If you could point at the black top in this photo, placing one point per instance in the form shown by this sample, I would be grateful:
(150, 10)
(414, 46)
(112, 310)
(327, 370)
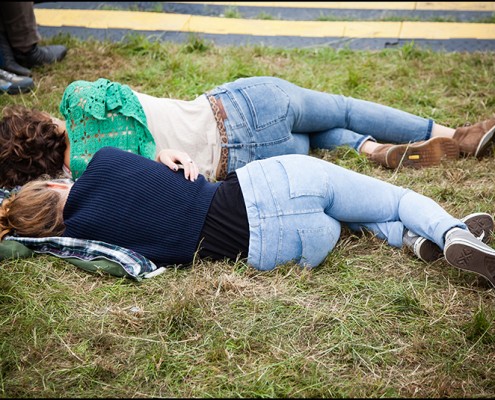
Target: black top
(226, 230)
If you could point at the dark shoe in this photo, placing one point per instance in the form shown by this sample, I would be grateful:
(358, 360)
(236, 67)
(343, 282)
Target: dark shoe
(422, 248)
(41, 55)
(464, 251)
(7, 60)
(476, 140)
(416, 155)
(481, 225)
(14, 84)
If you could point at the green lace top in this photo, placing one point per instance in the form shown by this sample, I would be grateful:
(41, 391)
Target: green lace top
(103, 113)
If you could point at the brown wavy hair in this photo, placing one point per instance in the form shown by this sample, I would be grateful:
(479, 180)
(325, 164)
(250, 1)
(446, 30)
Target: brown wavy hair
(35, 211)
(30, 146)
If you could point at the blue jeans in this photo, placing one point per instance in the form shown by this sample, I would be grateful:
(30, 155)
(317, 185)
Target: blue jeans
(296, 204)
(269, 117)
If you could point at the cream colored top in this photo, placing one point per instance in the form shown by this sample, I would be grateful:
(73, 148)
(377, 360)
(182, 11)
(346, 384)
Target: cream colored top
(187, 126)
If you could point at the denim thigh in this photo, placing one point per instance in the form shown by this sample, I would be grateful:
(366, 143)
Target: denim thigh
(286, 215)
(294, 203)
(259, 123)
(269, 116)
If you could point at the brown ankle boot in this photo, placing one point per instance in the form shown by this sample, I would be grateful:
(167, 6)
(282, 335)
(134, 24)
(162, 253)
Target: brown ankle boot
(476, 140)
(416, 155)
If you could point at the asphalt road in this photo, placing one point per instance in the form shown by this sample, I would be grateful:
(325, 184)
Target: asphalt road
(439, 26)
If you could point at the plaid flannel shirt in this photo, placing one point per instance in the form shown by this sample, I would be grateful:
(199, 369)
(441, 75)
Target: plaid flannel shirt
(134, 264)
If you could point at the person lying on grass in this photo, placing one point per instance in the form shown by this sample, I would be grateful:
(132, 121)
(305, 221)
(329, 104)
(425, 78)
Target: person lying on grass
(224, 129)
(270, 212)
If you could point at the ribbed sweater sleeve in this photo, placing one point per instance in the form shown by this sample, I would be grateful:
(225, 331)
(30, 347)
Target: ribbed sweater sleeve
(133, 202)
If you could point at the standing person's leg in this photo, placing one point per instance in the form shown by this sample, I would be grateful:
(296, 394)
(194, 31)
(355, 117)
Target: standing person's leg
(21, 31)
(17, 26)
(294, 204)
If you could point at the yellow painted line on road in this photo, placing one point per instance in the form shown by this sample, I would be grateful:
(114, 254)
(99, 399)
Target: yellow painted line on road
(397, 5)
(439, 30)
(457, 6)
(138, 20)
(294, 28)
(363, 5)
(105, 19)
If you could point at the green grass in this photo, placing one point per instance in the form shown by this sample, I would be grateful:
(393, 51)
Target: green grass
(371, 321)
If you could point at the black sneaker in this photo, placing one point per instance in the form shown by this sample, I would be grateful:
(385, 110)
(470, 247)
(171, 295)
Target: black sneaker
(41, 55)
(15, 84)
(423, 248)
(481, 225)
(464, 251)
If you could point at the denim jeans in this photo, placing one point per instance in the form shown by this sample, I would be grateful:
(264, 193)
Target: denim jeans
(296, 204)
(269, 116)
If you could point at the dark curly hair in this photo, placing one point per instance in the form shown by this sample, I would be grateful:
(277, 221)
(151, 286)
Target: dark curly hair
(31, 145)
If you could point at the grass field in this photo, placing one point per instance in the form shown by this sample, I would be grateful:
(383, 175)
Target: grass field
(371, 321)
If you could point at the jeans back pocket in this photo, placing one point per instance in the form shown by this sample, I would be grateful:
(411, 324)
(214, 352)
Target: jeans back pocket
(317, 243)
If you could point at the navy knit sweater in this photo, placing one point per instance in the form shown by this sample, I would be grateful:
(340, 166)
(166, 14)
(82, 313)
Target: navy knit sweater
(130, 201)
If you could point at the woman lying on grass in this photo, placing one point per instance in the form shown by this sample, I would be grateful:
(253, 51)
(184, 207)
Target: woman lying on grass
(285, 208)
(236, 123)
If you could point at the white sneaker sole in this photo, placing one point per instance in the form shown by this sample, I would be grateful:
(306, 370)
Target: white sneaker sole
(470, 254)
(480, 225)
